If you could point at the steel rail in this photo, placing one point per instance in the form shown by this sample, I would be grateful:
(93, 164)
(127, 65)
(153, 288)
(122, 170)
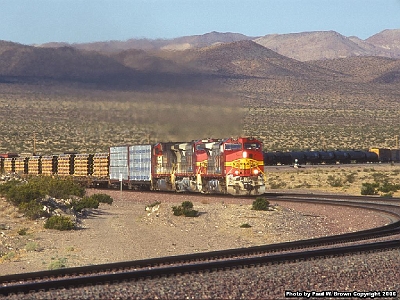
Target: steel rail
(195, 268)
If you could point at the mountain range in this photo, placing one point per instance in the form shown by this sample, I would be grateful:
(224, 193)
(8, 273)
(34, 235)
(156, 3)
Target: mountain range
(302, 46)
(309, 55)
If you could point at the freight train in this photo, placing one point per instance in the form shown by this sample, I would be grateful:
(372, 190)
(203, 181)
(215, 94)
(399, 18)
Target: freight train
(374, 155)
(225, 166)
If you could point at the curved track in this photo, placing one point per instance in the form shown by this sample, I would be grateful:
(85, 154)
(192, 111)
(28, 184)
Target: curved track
(376, 239)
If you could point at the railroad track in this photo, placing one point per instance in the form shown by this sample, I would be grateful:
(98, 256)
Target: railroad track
(376, 239)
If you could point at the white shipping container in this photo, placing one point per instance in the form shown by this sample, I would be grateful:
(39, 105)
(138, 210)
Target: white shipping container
(140, 163)
(119, 163)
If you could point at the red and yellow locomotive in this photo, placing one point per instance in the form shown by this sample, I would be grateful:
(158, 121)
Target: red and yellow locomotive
(228, 166)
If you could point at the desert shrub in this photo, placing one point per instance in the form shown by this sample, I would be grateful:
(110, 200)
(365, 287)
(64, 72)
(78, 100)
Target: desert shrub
(178, 210)
(186, 209)
(334, 181)
(303, 184)
(37, 187)
(278, 184)
(380, 177)
(387, 195)
(187, 205)
(58, 187)
(9, 255)
(190, 213)
(387, 187)
(59, 223)
(58, 264)
(85, 202)
(23, 193)
(31, 246)
(245, 225)
(23, 231)
(351, 178)
(5, 187)
(369, 188)
(260, 204)
(102, 198)
(396, 172)
(32, 210)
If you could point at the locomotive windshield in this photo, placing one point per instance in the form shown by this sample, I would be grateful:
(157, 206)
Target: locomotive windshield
(200, 147)
(252, 146)
(233, 146)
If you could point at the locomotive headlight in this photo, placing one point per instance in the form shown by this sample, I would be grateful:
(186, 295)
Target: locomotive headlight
(244, 154)
(255, 171)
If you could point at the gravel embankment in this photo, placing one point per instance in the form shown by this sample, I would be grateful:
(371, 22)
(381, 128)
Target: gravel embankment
(125, 231)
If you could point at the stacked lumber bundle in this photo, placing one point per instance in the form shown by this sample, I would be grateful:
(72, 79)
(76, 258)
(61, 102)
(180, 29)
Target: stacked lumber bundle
(65, 164)
(34, 165)
(100, 165)
(49, 165)
(83, 165)
(20, 166)
(8, 165)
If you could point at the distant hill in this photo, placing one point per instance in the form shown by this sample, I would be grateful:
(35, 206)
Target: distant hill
(60, 63)
(302, 46)
(180, 43)
(362, 68)
(388, 39)
(319, 45)
(244, 58)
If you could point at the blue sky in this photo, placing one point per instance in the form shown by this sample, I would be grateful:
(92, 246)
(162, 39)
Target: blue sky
(76, 21)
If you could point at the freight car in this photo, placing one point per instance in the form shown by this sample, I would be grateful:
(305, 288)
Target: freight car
(227, 166)
(331, 157)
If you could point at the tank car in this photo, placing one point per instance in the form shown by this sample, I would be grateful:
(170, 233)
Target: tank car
(298, 156)
(312, 157)
(283, 158)
(326, 157)
(341, 157)
(357, 156)
(371, 157)
(269, 158)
